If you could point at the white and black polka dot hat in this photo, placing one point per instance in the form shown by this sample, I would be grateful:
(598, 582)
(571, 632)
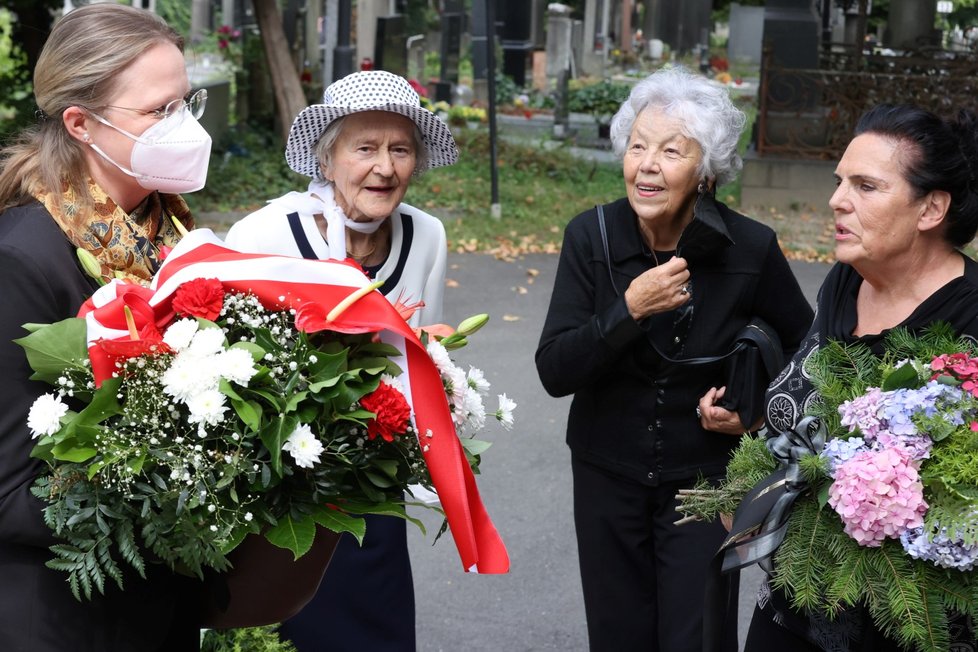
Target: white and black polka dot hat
(371, 90)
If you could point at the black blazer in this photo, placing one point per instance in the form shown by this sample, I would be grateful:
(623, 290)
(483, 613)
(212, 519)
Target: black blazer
(41, 282)
(631, 414)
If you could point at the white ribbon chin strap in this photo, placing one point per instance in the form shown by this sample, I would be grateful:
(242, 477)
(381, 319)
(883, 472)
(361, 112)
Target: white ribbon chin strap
(320, 199)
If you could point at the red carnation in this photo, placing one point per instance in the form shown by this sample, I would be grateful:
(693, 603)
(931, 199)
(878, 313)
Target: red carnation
(392, 412)
(201, 297)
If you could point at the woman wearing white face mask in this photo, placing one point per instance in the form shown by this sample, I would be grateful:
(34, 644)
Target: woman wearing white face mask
(116, 134)
(58, 193)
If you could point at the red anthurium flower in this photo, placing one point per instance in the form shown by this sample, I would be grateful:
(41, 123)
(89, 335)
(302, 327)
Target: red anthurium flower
(311, 318)
(201, 297)
(150, 342)
(392, 412)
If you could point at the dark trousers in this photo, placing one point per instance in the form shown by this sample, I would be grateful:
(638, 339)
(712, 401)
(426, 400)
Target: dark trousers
(366, 600)
(643, 577)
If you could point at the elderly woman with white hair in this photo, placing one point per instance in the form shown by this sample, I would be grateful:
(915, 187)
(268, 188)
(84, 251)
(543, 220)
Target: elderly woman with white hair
(646, 288)
(361, 147)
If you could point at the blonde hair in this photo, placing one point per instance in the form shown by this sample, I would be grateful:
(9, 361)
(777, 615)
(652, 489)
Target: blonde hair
(78, 66)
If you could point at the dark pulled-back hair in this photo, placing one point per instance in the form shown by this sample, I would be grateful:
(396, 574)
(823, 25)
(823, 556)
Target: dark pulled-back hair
(942, 155)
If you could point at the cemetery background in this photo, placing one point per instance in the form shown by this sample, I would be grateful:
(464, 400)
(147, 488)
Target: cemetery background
(551, 167)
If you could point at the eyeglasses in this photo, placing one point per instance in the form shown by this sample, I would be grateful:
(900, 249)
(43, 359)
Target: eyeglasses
(194, 102)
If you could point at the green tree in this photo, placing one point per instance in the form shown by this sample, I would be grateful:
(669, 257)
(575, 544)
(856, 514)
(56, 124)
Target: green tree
(33, 24)
(16, 100)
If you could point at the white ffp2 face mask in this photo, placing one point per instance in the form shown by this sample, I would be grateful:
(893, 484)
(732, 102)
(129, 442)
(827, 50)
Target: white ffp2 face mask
(171, 156)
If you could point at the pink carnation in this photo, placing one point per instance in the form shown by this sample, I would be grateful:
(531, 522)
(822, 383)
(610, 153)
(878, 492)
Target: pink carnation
(878, 494)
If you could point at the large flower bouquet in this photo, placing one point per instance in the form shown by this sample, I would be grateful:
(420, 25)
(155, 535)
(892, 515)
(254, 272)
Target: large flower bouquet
(886, 513)
(188, 416)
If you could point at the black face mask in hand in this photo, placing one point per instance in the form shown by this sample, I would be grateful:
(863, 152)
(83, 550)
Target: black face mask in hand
(706, 234)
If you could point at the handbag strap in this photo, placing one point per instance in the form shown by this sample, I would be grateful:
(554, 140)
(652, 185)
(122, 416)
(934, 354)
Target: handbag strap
(678, 361)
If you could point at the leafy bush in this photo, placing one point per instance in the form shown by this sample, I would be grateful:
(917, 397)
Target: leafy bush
(506, 89)
(602, 100)
(249, 639)
(16, 101)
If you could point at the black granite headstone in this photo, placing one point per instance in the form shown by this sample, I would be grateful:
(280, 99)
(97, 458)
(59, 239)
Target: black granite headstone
(390, 49)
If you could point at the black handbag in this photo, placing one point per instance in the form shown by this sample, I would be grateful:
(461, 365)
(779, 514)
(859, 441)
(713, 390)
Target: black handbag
(753, 361)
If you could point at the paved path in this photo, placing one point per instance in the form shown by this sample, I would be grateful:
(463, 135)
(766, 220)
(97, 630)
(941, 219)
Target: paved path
(525, 482)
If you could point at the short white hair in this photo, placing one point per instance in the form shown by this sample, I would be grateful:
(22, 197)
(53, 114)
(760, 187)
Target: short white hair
(704, 110)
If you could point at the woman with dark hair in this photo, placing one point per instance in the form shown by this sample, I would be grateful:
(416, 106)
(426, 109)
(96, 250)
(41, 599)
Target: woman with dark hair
(906, 203)
(664, 274)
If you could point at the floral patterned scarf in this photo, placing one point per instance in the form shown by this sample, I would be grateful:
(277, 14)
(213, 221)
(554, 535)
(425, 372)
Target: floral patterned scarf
(127, 245)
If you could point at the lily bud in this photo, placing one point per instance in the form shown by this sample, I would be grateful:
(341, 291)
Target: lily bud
(472, 324)
(90, 264)
(454, 342)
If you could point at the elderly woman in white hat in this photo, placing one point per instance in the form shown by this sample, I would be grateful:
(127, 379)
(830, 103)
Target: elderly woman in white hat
(361, 147)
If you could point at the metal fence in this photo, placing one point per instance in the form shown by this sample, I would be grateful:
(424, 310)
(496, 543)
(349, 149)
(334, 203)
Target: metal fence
(810, 114)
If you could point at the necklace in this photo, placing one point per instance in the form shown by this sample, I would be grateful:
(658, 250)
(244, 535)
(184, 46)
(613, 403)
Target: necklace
(363, 256)
(654, 257)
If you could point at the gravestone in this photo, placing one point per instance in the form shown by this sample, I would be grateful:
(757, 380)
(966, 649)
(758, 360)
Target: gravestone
(452, 24)
(390, 51)
(791, 37)
(746, 33)
(682, 25)
(911, 25)
(560, 32)
(516, 37)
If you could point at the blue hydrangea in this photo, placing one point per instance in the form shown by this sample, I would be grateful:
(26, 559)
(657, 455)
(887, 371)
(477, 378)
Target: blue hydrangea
(839, 450)
(943, 550)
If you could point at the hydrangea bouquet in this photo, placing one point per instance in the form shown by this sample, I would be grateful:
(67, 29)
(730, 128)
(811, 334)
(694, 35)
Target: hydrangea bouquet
(188, 416)
(889, 520)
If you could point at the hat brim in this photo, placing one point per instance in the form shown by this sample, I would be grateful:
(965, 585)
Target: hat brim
(309, 126)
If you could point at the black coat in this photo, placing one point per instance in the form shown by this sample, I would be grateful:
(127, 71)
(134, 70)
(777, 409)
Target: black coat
(41, 282)
(632, 414)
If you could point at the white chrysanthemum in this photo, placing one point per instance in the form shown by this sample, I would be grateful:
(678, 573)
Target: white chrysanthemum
(189, 375)
(505, 411)
(303, 446)
(439, 355)
(179, 335)
(477, 380)
(236, 365)
(472, 404)
(207, 342)
(457, 386)
(44, 417)
(207, 407)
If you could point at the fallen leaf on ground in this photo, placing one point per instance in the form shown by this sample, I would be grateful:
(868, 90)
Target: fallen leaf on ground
(511, 318)
(451, 283)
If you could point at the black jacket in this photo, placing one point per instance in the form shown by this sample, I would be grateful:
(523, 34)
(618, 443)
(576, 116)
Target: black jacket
(632, 414)
(41, 282)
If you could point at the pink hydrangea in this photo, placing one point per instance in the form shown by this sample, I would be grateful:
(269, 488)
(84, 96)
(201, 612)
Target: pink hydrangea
(879, 495)
(865, 412)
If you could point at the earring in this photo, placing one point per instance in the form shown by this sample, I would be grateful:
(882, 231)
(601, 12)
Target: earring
(701, 188)
(86, 137)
